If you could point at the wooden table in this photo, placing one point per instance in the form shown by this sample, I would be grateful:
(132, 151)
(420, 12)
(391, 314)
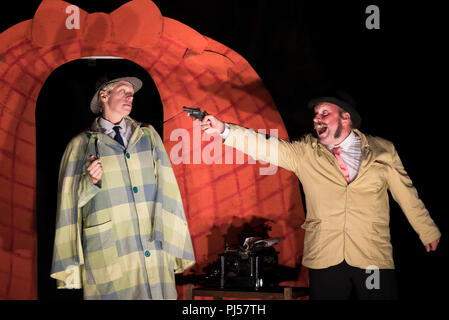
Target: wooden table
(276, 293)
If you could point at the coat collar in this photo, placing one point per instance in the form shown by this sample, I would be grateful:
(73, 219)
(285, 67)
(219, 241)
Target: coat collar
(316, 144)
(106, 126)
(366, 148)
(95, 127)
(368, 152)
(135, 125)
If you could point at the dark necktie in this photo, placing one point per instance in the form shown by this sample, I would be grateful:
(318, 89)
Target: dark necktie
(118, 137)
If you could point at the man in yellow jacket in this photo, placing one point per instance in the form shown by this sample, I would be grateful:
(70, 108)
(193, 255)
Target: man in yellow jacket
(345, 176)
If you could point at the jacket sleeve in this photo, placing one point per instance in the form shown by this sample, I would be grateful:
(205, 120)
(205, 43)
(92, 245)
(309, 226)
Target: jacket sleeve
(170, 224)
(270, 149)
(74, 188)
(405, 194)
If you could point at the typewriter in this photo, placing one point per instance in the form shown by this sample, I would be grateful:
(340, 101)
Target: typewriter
(252, 265)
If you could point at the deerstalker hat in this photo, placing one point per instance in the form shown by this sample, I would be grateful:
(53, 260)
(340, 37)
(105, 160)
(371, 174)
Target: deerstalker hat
(95, 103)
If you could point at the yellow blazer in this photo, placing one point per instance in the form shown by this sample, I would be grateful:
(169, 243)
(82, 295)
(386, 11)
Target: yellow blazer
(344, 221)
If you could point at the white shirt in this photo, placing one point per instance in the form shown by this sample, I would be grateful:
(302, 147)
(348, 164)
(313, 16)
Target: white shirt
(351, 153)
(107, 128)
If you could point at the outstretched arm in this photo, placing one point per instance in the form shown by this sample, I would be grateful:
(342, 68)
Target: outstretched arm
(259, 146)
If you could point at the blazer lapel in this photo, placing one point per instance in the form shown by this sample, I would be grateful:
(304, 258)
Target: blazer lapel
(368, 155)
(329, 164)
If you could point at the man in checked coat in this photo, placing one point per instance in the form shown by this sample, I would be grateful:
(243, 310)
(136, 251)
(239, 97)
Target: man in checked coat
(345, 176)
(121, 231)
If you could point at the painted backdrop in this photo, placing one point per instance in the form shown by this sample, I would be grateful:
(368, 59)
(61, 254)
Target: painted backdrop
(221, 200)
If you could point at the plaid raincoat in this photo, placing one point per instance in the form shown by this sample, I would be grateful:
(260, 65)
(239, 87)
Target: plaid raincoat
(126, 237)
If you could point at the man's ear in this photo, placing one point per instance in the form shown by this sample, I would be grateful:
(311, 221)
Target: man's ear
(103, 95)
(346, 116)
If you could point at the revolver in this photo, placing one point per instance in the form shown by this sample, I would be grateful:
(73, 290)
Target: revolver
(195, 113)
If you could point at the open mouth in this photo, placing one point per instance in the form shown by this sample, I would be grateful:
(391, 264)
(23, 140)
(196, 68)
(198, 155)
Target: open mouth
(321, 130)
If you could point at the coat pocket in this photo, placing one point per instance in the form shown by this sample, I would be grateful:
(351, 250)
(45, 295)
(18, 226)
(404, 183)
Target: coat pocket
(380, 248)
(101, 259)
(311, 238)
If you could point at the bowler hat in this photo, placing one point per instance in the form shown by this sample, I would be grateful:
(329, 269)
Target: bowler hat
(95, 103)
(344, 101)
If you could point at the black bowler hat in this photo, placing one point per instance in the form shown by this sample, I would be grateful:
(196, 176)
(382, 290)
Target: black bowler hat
(344, 101)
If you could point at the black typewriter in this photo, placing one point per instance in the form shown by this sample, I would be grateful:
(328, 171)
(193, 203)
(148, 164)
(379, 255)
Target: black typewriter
(252, 265)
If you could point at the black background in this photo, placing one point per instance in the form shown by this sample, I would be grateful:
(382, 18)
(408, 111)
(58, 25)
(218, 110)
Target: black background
(396, 75)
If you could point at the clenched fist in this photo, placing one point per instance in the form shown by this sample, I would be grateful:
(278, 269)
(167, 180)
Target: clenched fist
(95, 170)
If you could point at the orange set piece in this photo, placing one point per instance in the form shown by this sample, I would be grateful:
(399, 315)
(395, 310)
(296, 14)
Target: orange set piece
(188, 69)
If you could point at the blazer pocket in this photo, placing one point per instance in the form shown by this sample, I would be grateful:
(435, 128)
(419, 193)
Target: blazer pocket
(380, 231)
(101, 258)
(312, 238)
(380, 248)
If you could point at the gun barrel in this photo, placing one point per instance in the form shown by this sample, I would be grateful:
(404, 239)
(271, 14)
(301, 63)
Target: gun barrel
(195, 113)
(190, 109)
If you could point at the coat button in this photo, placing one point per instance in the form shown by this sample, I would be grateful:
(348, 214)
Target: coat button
(135, 189)
(128, 155)
(147, 253)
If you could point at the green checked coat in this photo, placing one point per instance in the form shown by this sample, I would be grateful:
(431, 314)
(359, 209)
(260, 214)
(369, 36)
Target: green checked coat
(127, 237)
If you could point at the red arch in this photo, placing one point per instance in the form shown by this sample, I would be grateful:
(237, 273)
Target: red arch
(188, 69)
